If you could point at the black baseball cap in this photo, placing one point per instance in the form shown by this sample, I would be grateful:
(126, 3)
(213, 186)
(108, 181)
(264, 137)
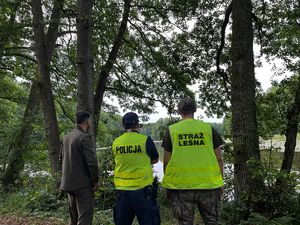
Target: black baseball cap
(187, 105)
(130, 119)
(81, 116)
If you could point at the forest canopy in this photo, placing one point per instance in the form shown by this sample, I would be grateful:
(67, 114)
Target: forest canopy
(107, 57)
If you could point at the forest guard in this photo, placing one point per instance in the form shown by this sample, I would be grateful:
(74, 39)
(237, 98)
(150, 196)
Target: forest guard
(134, 155)
(80, 171)
(193, 167)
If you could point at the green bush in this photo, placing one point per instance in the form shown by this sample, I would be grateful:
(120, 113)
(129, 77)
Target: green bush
(44, 201)
(258, 219)
(103, 217)
(38, 197)
(275, 202)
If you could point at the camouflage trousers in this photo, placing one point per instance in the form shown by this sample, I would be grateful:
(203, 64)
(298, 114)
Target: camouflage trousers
(183, 204)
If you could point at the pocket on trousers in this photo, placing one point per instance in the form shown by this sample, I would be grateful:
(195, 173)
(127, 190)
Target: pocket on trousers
(171, 195)
(155, 215)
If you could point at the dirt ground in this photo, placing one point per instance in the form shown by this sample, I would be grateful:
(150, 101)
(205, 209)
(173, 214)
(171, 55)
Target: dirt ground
(15, 220)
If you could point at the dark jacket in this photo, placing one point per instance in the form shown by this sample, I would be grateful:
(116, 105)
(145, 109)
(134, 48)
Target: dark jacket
(79, 161)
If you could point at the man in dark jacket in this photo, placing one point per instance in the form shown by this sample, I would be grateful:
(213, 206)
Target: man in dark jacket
(80, 171)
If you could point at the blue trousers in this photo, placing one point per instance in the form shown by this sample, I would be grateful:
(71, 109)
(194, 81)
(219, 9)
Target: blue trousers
(139, 203)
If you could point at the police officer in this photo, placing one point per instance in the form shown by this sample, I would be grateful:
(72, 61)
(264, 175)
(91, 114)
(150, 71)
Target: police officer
(134, 155)
(193, 167)
(80, 171)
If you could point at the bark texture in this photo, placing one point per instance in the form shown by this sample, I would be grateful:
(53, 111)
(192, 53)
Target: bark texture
(244, 123)
(291, 133)
(44, 47)
(221, 47)
(84, 56)
(19, 146)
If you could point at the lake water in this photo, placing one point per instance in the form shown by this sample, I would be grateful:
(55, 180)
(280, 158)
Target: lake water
(228, 168)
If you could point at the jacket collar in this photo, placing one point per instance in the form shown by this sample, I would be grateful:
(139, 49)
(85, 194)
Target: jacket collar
(79, 128)
(131, 131)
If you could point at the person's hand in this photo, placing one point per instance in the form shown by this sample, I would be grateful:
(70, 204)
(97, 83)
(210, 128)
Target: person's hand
(95, 187)
(61, 193)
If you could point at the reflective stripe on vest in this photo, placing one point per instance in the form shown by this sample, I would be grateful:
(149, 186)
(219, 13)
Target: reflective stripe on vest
(133, 169)
(193, 164)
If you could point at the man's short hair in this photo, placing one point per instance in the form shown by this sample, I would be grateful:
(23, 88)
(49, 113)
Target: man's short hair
(130, 120)
(82, 116)
(187, 105)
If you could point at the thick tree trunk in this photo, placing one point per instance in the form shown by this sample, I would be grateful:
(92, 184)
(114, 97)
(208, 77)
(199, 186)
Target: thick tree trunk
(291, 129)
(84, 58)
(291, 133)
(244, 124)
(19, 146)
(103, 77)
(44, 46)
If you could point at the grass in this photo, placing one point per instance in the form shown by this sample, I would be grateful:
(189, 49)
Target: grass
(275, 158)
(279, 137)
(11, 219)
(33, 206)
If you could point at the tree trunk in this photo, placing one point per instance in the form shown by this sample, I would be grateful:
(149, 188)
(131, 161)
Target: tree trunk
(291, 133)
(244, 123)
(44, 47)
(103, 77)
(291, 129)
(19, 146)
(84, 58)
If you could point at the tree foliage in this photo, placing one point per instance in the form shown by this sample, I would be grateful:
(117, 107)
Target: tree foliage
(164, 50)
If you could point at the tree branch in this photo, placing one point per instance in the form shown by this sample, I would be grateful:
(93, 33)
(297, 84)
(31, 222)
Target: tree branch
(62, 33)
(65, 112)
(155, 8)
(28, 57)
(134, 94)
(14, 100)
(141, 54)
(221, 72)
(18, 48)
(258, 25)
(7, 68)
(52, 33)
(125, 74)
(143, 36)
(103, 76)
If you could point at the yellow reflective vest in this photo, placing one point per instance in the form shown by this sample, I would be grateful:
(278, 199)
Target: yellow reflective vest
(133, 169)
(193, 164)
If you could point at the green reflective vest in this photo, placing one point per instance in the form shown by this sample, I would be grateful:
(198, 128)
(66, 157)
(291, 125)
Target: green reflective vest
(193, 164)
(133, 169)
